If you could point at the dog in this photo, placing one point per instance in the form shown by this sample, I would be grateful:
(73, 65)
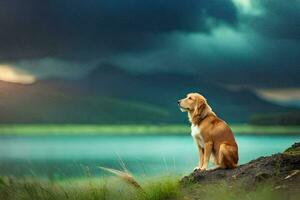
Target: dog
(212, 135)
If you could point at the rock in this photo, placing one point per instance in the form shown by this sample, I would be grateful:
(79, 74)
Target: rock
(282, 168)
(294, 149)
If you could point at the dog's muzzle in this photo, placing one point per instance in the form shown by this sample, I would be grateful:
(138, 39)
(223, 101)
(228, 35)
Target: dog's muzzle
(182, 108)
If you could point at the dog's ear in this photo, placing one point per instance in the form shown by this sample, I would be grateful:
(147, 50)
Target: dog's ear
(200, 107)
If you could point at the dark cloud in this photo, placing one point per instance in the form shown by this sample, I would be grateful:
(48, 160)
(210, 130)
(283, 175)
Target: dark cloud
(78, 29)
(278, 19)
(239, 39)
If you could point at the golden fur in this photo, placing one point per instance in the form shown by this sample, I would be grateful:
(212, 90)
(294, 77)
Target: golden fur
(213, 136)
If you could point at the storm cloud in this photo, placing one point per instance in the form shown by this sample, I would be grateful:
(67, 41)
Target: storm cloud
(81, 29)
(240, 38)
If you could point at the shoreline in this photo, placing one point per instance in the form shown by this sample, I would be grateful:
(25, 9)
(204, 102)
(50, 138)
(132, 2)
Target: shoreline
(173, 129)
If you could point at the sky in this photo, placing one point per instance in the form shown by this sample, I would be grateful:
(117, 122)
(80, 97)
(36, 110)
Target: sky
(236, 42)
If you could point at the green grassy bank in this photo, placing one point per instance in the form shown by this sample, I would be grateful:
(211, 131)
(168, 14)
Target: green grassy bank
(69, 129)
(163, 188)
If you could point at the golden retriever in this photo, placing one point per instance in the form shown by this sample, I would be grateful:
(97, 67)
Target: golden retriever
(212, 135)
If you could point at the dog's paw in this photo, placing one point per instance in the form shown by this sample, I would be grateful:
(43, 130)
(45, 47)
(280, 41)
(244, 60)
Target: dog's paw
(203, 168)
(196, 168)
(214, 168)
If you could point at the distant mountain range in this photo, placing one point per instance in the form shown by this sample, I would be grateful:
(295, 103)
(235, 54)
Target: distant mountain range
(109, 95)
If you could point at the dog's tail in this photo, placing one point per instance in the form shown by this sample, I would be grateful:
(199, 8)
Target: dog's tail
(125, 176)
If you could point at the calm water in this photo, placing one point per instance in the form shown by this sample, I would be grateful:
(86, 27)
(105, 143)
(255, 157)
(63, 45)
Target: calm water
(73, 156)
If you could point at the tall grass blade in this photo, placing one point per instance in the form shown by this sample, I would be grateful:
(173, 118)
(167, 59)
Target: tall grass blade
(125, 176)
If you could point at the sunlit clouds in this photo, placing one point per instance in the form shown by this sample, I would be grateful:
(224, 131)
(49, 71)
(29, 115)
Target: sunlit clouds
(280, 95)
(248, 7)
(10, 74)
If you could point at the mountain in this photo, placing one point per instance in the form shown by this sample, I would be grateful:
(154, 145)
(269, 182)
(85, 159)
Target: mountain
(164, 89)
(44, 103)
(111, 95)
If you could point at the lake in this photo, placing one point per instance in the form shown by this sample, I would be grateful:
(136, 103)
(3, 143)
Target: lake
(80, 155)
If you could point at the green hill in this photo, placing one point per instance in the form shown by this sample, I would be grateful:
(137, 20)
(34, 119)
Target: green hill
(110, 95)
(30, 104)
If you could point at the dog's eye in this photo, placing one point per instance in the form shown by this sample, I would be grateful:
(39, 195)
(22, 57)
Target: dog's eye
(190, 98)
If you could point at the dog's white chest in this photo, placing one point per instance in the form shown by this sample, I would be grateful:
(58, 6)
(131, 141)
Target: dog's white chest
(196, 133)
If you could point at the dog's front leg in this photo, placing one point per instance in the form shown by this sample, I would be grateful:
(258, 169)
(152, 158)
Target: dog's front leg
(200, 157)
(207, 152)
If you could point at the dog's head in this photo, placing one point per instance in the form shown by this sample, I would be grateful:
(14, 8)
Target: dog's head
(192, 102)
(195, 104)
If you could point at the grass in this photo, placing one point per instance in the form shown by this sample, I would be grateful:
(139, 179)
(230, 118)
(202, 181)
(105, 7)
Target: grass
(73, 129)
(102, 189)
(163, 188)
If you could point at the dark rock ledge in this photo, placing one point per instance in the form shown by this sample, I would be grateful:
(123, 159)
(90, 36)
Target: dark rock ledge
(283, 169)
